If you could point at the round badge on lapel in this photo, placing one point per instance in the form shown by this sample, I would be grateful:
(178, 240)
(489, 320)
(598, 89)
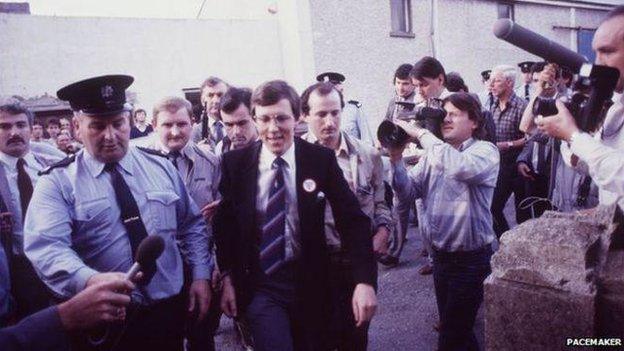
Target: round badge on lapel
(309, 185)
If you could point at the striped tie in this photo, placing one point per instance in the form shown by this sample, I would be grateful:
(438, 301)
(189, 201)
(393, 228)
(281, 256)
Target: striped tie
(273, 242)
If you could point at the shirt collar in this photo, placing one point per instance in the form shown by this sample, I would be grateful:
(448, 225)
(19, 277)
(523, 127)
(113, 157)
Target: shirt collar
(11, 161)
(466, 144)
(267, 157)
(184, 152)
(96, 167)
(343, 148)
(211, 121)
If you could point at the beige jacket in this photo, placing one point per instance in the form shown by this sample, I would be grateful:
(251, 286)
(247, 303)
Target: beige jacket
(367, 178)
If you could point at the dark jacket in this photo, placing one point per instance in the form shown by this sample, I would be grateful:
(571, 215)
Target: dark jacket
(237, 232)
(40, 331)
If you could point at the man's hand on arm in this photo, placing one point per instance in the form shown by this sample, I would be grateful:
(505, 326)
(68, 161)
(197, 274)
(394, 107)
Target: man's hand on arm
(228, 298)
(380, 240)
(100, 302)
(364, 303)
(199, 298)
(209, 210)
(525, 171)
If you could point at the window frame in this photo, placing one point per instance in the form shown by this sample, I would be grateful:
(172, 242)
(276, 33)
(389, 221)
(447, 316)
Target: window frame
(510, 8)
(406, 11)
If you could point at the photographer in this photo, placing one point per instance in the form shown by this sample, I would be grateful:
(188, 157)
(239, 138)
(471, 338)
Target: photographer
(601, 155)
(455, 180)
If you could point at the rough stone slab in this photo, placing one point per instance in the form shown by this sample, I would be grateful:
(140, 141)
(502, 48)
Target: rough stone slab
(524, 317)
(558, 253)
(611, 298)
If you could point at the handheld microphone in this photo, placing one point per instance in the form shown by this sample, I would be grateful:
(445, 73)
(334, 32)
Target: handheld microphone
(148, 251)
(536, 44)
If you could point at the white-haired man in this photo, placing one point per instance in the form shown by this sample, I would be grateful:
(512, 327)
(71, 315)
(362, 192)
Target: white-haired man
(507, 112)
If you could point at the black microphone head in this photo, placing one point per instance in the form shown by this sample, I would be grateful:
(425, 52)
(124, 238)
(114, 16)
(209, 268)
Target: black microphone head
(503, 27)
(149, 250)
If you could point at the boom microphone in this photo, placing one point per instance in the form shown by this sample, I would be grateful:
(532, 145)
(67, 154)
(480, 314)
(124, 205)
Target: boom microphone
(536, 44)
(148, 251)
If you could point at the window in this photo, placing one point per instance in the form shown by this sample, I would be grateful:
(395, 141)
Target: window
(584, 39)
(401, 18)
(505, 10)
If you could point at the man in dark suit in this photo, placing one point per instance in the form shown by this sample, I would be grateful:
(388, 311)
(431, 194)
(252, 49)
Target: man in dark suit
(270, 236)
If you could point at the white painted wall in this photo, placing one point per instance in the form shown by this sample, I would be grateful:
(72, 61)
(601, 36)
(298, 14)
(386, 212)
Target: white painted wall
(41, 54)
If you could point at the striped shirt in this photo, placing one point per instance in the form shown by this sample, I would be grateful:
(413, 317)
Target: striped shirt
(456, 188)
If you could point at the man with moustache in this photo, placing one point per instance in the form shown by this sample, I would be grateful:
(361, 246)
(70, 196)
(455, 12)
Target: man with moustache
(90, 211)
(20, 161)
(171, 119)
(240, 129)
(354, 122)
(361, 166)
(269, 228)
(210, 129)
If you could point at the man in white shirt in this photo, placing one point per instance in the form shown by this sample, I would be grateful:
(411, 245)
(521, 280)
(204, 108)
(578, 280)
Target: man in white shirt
(601, 155)
(19, 167)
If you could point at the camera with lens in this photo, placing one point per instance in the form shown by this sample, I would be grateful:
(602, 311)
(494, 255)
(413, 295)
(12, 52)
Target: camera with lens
(589, 112)
(431, 118)
(546, 106)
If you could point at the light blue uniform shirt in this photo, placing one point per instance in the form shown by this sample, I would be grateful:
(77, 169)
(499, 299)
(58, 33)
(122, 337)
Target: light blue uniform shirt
(5, 287)
(73, 228)
(456, 188)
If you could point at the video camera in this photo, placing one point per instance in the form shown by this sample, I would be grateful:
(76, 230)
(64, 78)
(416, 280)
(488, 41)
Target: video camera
(589, 112)
(391, 135)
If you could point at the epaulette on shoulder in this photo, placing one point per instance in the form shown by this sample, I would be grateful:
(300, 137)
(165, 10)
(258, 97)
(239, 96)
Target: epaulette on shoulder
(355, 102)
(152, 151)
(62, 163)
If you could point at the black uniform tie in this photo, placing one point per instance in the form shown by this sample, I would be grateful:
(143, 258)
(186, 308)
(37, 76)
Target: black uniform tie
(173, 157)
(130, 215)
(24, 185)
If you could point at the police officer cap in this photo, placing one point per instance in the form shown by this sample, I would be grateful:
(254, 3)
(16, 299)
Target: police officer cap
(104, 95)
(486, 74)
(332, 77)
(525, 66)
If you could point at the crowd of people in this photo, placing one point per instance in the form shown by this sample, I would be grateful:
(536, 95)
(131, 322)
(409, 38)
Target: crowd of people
(275, 207)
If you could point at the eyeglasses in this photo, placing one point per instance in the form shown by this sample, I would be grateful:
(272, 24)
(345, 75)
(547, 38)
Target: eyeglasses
(277, 119)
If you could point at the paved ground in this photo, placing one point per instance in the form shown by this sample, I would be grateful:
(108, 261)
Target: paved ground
(407, 309)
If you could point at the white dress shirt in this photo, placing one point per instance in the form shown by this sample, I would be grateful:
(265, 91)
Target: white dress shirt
(602, 156)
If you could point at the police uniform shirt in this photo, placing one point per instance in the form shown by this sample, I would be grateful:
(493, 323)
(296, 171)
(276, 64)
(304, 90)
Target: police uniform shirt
(74, 229)
(32, 167)
(200, 172)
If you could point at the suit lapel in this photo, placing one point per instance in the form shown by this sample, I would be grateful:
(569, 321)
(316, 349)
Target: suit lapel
(248, 181)
(4, 190)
